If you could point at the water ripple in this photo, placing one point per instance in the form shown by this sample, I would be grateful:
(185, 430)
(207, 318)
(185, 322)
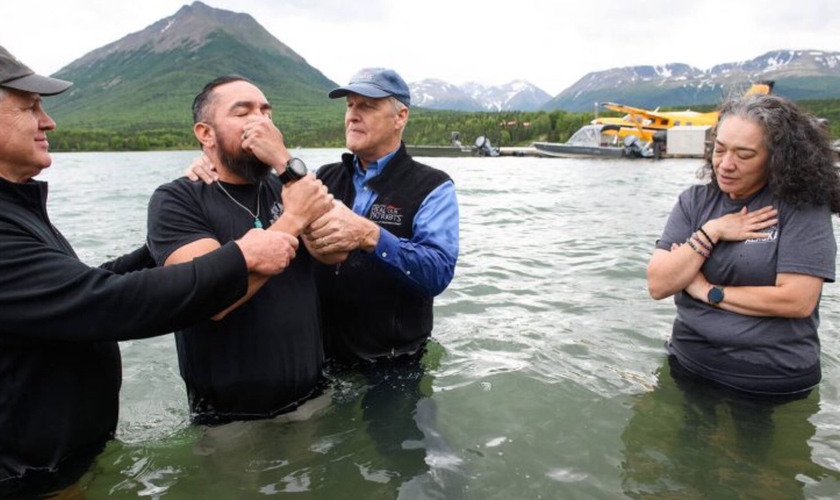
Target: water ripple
(549, 384)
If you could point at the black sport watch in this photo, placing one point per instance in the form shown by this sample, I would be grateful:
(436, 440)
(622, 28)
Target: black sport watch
(715, 296)
(295, 169)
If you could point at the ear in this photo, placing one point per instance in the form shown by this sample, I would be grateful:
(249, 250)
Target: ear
(402, 119)
(205, 134)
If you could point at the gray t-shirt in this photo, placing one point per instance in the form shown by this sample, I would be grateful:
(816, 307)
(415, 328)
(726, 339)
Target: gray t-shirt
(727, 346)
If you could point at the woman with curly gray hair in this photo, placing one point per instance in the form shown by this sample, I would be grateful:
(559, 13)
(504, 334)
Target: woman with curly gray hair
(745, 255)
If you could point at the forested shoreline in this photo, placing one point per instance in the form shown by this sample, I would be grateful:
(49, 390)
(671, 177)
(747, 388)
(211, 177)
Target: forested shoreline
(426, 127)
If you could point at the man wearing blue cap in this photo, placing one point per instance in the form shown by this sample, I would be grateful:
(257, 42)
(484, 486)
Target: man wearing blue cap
(398, 225)
(399, 221)
(396, 222)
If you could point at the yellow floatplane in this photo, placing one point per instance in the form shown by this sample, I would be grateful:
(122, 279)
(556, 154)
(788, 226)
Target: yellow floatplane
(644, 123)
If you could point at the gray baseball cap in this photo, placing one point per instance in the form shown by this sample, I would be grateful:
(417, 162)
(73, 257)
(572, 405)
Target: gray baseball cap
(16, 75)
(376, 83)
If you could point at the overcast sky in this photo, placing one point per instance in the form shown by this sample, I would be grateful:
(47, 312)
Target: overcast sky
(551, 43)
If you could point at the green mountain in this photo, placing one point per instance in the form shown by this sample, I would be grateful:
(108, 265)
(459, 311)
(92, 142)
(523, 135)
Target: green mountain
(136, 93)
(146, 81)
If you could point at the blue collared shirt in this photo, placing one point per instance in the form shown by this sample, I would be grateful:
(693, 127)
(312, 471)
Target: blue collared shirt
(426, 261)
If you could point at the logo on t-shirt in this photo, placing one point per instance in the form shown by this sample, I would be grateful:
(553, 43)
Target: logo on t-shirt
(387, 215)
(771, 235)
(276, 211)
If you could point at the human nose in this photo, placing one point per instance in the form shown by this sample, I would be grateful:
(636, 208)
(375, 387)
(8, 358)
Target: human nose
(727, 161)
(45, 122)
(256, 116)
(350, 114)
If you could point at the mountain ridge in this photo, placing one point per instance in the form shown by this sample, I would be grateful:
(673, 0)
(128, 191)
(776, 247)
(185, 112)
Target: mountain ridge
(517, 95)
(799, 74)
(147, 79)
(199, 21)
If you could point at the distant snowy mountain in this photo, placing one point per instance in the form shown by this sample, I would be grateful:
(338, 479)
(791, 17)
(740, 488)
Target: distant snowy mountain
(514, 96)
(437, 94)
(798, 74)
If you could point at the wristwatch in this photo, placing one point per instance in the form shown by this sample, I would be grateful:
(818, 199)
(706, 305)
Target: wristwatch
(295, 169)
(715, 296)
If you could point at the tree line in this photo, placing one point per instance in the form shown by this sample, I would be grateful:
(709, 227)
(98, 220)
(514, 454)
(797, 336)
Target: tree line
(426, 127)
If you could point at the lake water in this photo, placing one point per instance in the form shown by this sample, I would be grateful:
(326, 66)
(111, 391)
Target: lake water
(548, 378)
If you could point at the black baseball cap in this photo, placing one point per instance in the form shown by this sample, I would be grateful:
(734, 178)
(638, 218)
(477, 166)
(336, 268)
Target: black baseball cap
(16, 75)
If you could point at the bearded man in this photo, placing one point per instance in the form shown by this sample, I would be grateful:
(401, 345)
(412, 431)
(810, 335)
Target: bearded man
(263, 355)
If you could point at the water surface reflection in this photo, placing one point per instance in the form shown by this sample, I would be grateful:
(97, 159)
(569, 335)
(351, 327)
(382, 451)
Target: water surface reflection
(689, 439)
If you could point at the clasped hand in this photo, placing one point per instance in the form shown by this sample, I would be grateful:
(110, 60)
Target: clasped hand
(306, 200)
(340, 230)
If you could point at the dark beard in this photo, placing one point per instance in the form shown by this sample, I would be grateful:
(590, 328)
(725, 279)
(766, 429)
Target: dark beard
(245, 165)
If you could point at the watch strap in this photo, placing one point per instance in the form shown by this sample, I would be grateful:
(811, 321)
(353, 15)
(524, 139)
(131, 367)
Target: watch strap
(286, 177)
(289, 174)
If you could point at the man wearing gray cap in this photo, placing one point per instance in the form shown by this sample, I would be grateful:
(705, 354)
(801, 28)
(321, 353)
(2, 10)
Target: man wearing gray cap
(399, 221)
(60, 320)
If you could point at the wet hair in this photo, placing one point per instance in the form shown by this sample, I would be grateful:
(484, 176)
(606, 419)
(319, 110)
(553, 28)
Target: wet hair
(204, 99)
(800, 162)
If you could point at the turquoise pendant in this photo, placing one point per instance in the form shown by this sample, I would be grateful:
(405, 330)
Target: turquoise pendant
(257, 223)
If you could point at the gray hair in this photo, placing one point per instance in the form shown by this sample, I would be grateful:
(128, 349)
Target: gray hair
(800, 162)
(398, 105)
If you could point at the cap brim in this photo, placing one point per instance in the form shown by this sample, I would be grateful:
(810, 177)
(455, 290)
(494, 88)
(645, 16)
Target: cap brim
(359, 88)
(38, 84)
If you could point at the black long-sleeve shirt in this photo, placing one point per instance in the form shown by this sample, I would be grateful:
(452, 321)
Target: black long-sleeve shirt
(60, 367)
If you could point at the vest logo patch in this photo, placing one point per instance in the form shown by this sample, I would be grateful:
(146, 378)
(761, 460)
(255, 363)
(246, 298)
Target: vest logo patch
(387, 215)
(771, 235)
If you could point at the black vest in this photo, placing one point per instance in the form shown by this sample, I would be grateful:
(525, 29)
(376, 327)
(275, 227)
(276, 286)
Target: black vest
(367, 311)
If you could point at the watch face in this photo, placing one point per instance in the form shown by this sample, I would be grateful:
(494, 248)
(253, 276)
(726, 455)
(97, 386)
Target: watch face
(715, 295)
(296, 168)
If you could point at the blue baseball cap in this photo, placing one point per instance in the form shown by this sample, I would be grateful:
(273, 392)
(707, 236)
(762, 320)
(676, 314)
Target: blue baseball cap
(376, 83)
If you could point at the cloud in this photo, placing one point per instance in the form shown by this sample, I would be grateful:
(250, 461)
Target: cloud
(551, 43)
(330, 11)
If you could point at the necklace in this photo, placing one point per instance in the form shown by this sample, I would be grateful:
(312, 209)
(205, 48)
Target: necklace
(257, 222)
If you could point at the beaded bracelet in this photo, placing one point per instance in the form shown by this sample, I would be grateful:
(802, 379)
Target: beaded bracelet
(711, 241)
(693, 247)
(701, 243)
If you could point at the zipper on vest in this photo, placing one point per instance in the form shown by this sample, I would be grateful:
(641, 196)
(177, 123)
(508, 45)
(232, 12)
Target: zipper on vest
(337, 268)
